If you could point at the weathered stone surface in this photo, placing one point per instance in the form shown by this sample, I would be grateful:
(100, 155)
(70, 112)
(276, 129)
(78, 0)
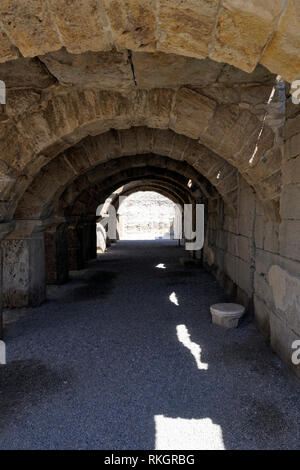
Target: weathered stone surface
(286, 294)
(233, 43)
(191, 113)
(271, 236)
(282, 54)
(133, 24)
(21, 101)
(292, 148)
(193, 29)
(262, 317)
(70, 115)
(291, 171)
(231, 224)
(81, 25)
(23, 272)
(158, 108)
(289, 236)
(29, 26)
(244, 249)
(230, 266)
(290, 205)
(25, 73)
(161, 70)
(186, 27)
(97, 70)
(235, 75)
(292, 126)
(244, 276)
(7, 51)
(263, 290)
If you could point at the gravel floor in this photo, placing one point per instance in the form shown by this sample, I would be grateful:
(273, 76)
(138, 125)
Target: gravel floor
(124, 356)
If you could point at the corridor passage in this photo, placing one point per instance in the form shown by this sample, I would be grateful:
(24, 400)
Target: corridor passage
(124, 356)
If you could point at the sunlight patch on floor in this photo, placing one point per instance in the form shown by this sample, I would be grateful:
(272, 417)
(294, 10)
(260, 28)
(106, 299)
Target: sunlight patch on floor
(161, 266)
(187, 434)
(184, 337)
(2, 353)
(173, 298)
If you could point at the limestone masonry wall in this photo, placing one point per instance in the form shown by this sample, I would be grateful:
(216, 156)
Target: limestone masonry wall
(259, 259)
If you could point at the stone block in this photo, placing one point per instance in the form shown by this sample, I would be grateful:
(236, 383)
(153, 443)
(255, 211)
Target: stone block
(227, 315)
(246, 224)
(286, 294)
(259, 231)
(232, 244)
(290, 202)
(132, 24)
(231, 224)
(289, 236)
(263, 290)
(81, 25)
(7, 50)
(292, 127)
(244, 250)
(197, 22)
(236, 19)
(291, 171)
(292, 147)
(244, 276)
(23, 272)
(191, 113)
(280, 53)
(96, 70)
(161, 70)
(30, 26)
(230, 267)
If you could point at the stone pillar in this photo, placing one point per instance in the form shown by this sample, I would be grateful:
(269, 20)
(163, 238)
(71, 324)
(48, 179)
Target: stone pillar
(118, 228)
(87, 236)
(108, 241)
(56, 250)
(101, 236)
(113, 212)
(5, 229)
(24, 270)
(76, 260)
(92, 238)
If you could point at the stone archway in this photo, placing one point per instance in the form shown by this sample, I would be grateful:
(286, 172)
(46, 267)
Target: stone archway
(88, 95)
(218, 30)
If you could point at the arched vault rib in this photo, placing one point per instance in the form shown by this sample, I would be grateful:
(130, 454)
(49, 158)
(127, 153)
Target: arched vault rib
(144, 186)
(45, 193)
(230, 132)
(91, 205)
(103, 183)
(240, 33)
(91, 199)
(86, 201)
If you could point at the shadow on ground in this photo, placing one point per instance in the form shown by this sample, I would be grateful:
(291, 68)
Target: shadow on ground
(103, 360)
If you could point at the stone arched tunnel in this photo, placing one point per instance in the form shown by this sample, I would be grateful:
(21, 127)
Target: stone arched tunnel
(189, 99)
